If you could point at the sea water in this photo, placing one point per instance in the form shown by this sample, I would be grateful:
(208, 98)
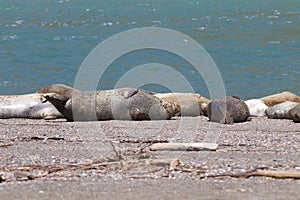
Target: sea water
(255, 44)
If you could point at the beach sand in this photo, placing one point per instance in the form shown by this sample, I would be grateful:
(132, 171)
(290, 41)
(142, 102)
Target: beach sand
(111, 159)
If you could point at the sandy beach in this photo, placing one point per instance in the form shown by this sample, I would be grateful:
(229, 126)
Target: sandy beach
(111, 159)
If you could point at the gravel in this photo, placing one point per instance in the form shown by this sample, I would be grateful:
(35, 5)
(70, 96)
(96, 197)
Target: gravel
(110, 159)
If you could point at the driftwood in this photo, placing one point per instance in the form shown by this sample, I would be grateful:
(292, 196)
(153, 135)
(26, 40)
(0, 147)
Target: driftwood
(30, 172)
(146, 141)
(183, 147)
(280, 174)
(163, 162)
(6, 145)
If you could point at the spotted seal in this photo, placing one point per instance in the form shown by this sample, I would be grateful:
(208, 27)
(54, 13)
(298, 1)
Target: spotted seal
(27, 106)
(190, 104)
(281, 110)
(33, 105)
(274, 99)
(228, 110)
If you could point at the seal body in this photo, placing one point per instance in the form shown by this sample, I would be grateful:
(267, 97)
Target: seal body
(121, 104)
(27, 106)
(274, 99)
(281, 110)
(190, 104)
(257, 108)
(295, 113)
(228, 110)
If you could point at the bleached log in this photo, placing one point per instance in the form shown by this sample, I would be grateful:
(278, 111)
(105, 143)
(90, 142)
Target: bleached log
(184, 147)
(278, 174)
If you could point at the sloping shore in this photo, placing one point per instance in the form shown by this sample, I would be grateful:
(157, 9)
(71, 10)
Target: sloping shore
(111, 159)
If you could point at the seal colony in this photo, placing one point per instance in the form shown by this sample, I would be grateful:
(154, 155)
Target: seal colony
(61, 101)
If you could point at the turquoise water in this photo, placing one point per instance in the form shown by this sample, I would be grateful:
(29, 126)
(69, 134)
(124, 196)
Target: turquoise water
(255, 44)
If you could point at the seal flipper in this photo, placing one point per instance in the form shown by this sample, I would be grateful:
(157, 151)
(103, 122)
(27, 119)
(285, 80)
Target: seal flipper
(229, 120)
(296, 118)
(60, 102)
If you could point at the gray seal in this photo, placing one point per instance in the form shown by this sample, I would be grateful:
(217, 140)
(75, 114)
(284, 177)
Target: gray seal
(120, 104)
(295, 113)
(228, 110)
(281, 110)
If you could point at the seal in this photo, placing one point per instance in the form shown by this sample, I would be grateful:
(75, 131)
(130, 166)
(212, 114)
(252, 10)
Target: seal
(33, 105)
(274, 99)
(295, 113)
(281, 110)
(119, 104)
(27, 106)
(56, 88)
(257, 108)
(228, 110)
(190, 104)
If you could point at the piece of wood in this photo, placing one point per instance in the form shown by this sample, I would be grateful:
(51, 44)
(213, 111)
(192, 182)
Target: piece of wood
(147, 141)
(278, 174)
(6, 145)
(183, 147)
(174, 164)
(162, 162)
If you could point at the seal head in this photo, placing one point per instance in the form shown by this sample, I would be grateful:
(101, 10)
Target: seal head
(60, 89)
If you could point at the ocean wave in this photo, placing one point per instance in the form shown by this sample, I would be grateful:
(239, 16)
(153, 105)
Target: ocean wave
(9, 37)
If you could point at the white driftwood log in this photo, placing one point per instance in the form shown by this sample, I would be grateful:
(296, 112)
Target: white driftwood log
(278, 174)
(184, 147)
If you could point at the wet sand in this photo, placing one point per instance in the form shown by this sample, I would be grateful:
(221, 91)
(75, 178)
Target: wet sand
(111, 159)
